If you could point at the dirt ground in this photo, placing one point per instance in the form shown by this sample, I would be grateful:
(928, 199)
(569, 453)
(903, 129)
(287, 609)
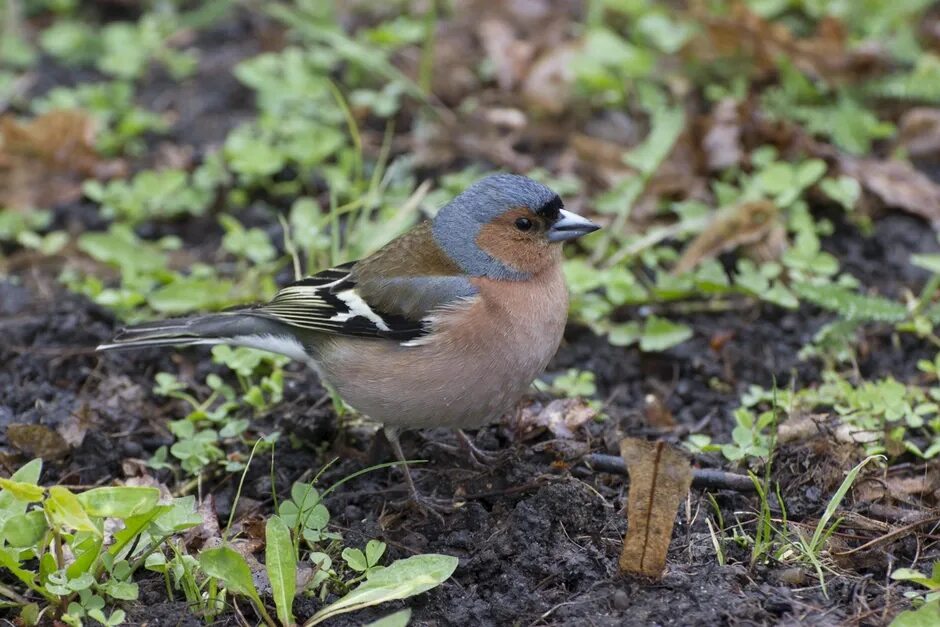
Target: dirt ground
(537, 545)
(538, 535)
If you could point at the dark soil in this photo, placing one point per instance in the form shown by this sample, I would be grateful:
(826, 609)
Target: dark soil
(538, 541)
(537, 545)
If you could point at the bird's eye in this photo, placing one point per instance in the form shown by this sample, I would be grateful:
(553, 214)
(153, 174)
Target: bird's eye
(523, 224)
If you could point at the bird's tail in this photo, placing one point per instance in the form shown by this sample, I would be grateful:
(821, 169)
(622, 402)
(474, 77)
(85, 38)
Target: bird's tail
(204, 329)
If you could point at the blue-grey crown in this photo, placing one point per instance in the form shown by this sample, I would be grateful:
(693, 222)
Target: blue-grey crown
(458, 223)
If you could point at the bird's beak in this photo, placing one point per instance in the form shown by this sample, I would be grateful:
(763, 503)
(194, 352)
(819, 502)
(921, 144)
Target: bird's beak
(570, 226)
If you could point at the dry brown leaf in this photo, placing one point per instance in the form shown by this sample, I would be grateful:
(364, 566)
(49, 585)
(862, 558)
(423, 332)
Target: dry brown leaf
(660, 477)
(562, 417)
(897, 184)
(37, 441)
(919, 133)
(741, 32)
(44, 161)
(657, 413)
(509, 55)
(801, 427)
(548, 85)
(722, 141)
(208, 534)
(744, 225)
(902, 485)
(603, 157)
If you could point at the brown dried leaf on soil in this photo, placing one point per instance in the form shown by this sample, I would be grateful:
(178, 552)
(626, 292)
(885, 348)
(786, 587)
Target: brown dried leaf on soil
(548, 85)
(747, 224)
(897, 184)
(741, 32)
(660, 477)
(722, 141)
(657, 413)
(208, 534)
(562, 417)
(509, 55)
(904, 484)
(919, 133)
(44, 161)
(37, 441)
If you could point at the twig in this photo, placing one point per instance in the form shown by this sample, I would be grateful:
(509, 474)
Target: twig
(888, 536)
(702, 478)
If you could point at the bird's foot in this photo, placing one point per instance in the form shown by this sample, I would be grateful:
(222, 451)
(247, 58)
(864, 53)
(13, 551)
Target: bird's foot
(426, 506)
(478, 458)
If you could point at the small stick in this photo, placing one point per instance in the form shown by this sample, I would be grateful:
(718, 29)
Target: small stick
(702, 478)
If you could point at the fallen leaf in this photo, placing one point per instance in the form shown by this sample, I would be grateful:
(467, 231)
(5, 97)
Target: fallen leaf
(44, 161)
(719, 339)
(208, 534)
(801, 427)
(722, 140)
(37, 441)
(509, 55)
(919, 133)
(746, 224)
(74, 428)
(741, 32)
(897, 184)
(656, 412)
(903, 484)
(660, 477)
(548, 85)
(562, 417)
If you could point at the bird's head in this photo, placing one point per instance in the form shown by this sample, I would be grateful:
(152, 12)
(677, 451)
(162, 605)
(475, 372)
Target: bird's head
(506, 226)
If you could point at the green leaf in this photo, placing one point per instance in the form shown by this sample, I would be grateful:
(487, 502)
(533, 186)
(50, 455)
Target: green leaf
(928, 615)
(281, 564)
(375, 549)
(849, 304)
(181, 515)
(402, 579)
(189, 293)
(624, 334)
(66, 510)
(355, 559)
(915, 576)
(845, 190)
(660, 334)
(398, 619)
(119, 501)
(836, 500)
(22, 491)
(927, 262)
(25, 530)
(86, 553)
(11, 564)
(229, 567)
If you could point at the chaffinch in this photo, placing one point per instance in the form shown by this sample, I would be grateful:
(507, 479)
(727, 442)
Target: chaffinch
(447, 325)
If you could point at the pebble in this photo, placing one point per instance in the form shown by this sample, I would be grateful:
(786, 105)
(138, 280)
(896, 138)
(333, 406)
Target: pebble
(621, 599)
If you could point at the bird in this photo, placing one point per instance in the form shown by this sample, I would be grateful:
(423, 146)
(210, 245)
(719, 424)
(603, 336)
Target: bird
(445, 326)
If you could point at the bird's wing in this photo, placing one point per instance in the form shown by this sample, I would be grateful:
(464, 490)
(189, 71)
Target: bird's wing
(344, 301)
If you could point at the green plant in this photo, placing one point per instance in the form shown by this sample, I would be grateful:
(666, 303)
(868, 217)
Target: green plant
(41, 525)
(574, 383)
(304, 517)
(810, 548)
(122, 123)
(156, 194)
(927, 611)
(214, 421)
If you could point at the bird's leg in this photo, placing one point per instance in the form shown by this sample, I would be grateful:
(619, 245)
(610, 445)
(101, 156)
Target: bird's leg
(423, 503)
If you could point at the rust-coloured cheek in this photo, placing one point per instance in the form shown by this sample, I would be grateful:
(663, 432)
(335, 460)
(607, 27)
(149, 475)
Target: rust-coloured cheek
(525, 251)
